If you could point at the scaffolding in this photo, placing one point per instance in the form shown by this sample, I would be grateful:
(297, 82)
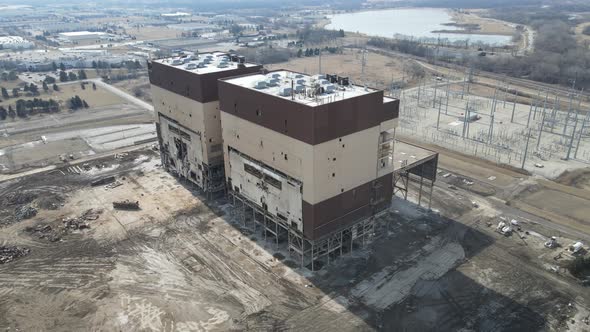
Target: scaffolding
(313, 254)
(309, 253)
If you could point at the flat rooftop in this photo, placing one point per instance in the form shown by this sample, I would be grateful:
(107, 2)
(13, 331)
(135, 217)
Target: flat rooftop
(204, 63)
(406, 156)
(311, 90)
(81, 33)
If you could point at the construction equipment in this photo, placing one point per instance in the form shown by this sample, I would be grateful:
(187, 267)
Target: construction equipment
(551, 243)
(126, 205)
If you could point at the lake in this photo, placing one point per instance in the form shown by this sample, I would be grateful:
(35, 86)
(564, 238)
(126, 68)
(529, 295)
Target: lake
(415, 22)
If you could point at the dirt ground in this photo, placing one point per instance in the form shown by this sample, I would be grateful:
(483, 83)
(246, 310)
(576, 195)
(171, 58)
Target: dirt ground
(181, 263)
(139, 88)
(487, 25)
(380, 70)
(154, 32)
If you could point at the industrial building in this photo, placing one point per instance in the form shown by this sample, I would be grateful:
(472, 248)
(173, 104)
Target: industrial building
(312, 157)
(83, 36)
(188, 122)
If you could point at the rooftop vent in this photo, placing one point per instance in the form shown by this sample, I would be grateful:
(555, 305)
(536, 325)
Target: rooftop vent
(272, 82)
(260, 85)
(285, 91)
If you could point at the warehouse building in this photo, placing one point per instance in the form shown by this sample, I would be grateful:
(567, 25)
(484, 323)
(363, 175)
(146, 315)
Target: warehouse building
(188, 124)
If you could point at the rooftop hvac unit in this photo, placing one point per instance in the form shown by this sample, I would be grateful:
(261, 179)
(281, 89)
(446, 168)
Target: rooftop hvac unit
(260, 85)
(206, 60)
(299, 88)
(275, 75)
(272, 82)
(233, 57)
(286, 91)
(300, 81)
(319, 77)
(298, 76)
(222, 65)
(209, 56)
(176, 62)
(332, 78)
(324, 82)
(201, 65)
(241, 59)
(330, 88)
(343, 80)
(191, 66)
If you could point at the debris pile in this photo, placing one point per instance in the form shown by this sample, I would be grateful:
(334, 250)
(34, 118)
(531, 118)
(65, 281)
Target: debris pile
(8, 254)
(44, 232)
(25, 212)
(19, 197)
(126, 205)
(103, 181)
(82, 221)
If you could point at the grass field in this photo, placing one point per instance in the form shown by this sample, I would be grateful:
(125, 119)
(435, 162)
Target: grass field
(94, 98)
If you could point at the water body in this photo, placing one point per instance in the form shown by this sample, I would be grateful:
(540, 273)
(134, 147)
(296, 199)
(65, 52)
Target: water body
(415, 22)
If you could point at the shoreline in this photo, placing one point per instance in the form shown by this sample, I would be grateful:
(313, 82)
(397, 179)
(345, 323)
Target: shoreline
(456, 20)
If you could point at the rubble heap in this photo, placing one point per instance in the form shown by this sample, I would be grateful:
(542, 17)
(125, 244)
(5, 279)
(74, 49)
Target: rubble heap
(44, 232)
(25, 212)
(8, 254)
(82, 221)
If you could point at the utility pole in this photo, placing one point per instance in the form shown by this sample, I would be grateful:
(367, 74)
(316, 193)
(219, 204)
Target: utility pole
(526, 148)
(581, 133)
(569, 150)
(448, 87)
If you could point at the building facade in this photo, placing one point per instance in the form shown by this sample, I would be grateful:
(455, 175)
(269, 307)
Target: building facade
(314, 153)
(188, 122)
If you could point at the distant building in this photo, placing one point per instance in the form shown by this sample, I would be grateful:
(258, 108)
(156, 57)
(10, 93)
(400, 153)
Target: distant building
(80, 36)
(15, 42)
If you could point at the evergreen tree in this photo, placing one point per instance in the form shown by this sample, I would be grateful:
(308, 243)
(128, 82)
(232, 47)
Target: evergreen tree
(34, 89)
(54, 66)
(3, 113)
(45, 86)
(55, 87)
(11, 112)
(5, 94)
(72, 76)
(62, 67)
(15, 93)
(63, 77)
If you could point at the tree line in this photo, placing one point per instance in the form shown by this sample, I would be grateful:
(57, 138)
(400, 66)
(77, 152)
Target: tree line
(24, 108)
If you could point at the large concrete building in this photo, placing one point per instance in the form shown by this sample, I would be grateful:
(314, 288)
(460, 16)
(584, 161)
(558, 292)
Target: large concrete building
(312, 155)
(188, 122)
(313, 160)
